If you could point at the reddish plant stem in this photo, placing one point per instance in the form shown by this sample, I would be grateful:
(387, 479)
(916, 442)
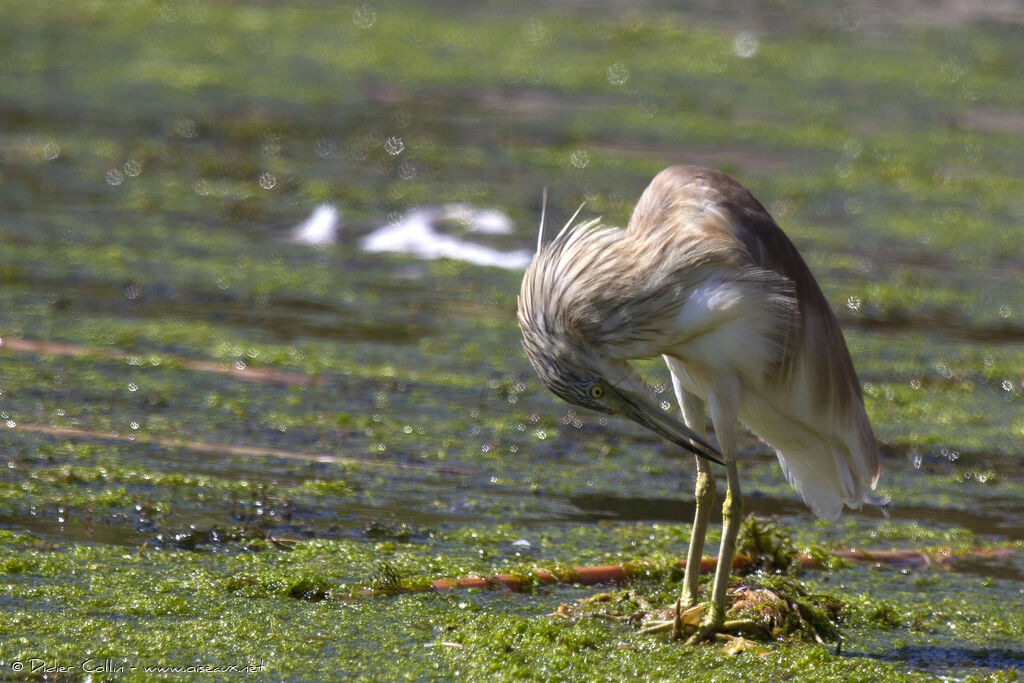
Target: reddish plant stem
(611, 573)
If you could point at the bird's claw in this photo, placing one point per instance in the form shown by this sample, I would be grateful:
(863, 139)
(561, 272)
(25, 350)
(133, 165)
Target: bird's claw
(703, 633)
(683, 620)
(722, 629)
(689, 621)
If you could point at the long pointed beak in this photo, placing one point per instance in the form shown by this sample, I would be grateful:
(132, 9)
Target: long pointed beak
(642, 411)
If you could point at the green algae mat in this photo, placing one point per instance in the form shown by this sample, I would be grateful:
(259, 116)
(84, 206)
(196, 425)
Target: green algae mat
(228, 455)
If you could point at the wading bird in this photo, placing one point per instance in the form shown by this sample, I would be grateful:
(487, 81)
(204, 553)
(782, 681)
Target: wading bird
(704, 277)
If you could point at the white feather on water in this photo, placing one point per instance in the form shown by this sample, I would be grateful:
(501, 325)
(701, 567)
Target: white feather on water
(418, 233)
(320, 229)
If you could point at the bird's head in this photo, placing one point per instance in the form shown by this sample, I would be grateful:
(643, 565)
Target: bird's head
(579, 369)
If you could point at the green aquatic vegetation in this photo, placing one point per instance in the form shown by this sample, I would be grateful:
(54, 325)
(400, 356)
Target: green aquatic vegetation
(784, 610)
(152, 163)
(772, 551)
(389, 581)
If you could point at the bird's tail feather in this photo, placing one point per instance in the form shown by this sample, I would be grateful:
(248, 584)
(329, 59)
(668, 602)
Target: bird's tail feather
(826, 483)
(829, 471)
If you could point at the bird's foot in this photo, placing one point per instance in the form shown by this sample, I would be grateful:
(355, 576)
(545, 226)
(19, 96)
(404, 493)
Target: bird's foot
(696, 624)
(721, 630)
(682, 621)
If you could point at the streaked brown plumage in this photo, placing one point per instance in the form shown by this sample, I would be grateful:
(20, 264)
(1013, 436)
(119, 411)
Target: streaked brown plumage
(703, 276)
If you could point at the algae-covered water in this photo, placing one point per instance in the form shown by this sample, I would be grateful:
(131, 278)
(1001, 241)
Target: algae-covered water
(236, 455)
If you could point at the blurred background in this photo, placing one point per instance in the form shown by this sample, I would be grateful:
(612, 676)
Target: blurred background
(299, 228)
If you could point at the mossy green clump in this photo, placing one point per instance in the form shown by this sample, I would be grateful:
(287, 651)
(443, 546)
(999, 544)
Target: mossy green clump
(784, 609)
(772, 608)
(885, 616)
(767, 546)
(388, 580)
(309, 588)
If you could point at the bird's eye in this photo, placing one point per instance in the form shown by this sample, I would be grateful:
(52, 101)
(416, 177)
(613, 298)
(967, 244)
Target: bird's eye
(596, 391)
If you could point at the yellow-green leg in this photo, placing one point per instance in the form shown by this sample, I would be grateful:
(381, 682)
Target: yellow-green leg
(704, 494)
(724, 406)
(693, 414)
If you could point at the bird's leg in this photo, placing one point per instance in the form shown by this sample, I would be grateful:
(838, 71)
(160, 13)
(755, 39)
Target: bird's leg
(692, 407)
(732, 513)
(693, 414)
(723, 414)
(705, 497)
